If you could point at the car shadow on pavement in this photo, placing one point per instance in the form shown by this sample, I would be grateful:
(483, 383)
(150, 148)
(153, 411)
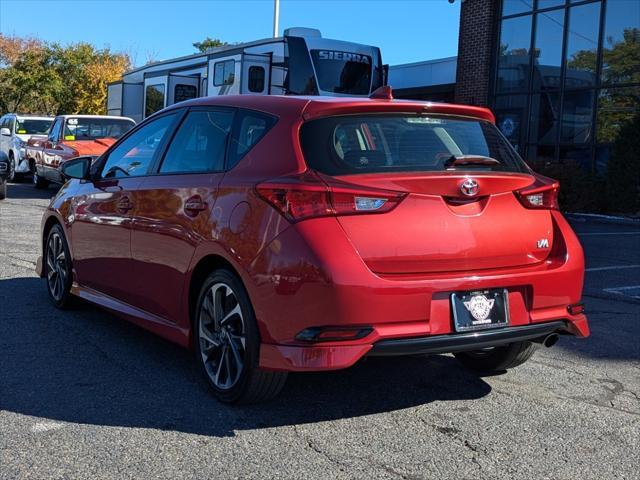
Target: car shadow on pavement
(87, 366)
(27, 190)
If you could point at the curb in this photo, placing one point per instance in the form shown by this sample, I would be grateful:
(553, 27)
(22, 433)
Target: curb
(596, 217)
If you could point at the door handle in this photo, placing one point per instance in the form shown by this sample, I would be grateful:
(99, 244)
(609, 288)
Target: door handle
(194, 205)
(124, 205)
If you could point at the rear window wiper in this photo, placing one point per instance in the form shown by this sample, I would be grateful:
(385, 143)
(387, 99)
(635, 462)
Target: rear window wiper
(470, 160)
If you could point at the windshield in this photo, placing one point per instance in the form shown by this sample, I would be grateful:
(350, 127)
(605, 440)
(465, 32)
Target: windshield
(32, 126)
(405, 143)
(342, 72)
(78, 128)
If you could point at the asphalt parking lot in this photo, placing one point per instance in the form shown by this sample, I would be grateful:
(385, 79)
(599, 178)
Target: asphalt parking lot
(86, 395)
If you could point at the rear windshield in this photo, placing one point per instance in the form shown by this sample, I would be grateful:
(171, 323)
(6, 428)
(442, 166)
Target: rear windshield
(342, 72)
(93, 128)
(403, 143)
(32, 126)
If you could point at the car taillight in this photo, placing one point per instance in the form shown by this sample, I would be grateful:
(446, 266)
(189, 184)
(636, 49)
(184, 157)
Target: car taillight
(308, 195)
(542, 194)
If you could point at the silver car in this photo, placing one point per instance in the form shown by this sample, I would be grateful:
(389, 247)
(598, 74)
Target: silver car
(15, 130)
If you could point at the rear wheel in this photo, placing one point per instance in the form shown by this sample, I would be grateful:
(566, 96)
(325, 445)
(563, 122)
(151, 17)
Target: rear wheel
(497, 358)
(227, 343)
(57, 268)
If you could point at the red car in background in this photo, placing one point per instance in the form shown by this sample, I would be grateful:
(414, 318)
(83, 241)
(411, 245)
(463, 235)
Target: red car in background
(276, 234)
(71, 136)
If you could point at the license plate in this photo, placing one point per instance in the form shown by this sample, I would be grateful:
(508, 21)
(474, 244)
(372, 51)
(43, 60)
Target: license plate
(480, 309)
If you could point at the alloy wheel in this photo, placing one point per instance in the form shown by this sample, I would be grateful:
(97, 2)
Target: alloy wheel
(57, 272)
(222, 336)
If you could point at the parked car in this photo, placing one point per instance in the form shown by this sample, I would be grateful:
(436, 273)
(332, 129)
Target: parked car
(15, 131)
(4, 174)
(276, 234)
(72, 136)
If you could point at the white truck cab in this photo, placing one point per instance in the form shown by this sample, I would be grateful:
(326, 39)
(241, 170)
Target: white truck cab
(15, 131)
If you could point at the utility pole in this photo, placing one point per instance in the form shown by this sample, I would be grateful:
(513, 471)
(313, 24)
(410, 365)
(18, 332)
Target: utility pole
(276, 17)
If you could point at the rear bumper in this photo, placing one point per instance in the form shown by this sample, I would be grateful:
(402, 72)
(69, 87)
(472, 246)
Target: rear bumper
(466, 341)
(319, 357)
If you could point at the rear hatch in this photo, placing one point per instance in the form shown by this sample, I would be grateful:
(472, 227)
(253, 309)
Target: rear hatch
(468, 201)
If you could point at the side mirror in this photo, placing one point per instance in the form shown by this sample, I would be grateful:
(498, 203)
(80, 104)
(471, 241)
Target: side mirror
(77, 168)
(5, 132)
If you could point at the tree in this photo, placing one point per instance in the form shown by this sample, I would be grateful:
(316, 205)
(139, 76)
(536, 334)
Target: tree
(208, 43)
(47, 78)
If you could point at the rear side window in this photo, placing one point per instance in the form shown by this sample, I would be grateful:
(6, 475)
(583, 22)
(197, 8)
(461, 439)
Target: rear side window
(250, 128)
(199, 145)
(402, 143)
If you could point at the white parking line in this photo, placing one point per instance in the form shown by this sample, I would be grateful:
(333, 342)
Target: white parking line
(612, 267)
(623, 291)
(592, 234)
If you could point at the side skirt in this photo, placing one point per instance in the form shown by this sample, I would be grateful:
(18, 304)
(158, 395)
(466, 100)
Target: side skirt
(142, 318)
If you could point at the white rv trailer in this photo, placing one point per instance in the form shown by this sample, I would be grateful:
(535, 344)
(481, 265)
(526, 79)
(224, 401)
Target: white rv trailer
(300, 62)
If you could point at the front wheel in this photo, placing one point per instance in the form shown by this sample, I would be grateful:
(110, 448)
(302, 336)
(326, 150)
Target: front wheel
(497, 359)
(12, 168)
(38, 181)
(58, 269)
(227, 343)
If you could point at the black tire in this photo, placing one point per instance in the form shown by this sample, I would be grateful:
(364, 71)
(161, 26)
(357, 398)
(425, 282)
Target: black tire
(12, 168)
(213, 341)
(39, 182)
(497, 359)
(3, 189)
(57, 255)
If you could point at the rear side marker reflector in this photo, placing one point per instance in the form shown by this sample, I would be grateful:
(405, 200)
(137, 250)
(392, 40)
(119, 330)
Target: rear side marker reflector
(332, 334)
(576, 308)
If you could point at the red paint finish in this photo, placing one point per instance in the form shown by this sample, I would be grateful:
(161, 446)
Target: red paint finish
(136, 243)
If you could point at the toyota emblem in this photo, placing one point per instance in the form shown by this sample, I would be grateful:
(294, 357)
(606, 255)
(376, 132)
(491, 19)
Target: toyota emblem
(469, 187)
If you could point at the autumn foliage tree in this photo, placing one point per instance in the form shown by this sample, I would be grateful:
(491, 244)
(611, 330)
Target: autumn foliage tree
(48, 78)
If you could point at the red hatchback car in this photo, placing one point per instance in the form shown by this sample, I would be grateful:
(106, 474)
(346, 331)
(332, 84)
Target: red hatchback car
(276, 234)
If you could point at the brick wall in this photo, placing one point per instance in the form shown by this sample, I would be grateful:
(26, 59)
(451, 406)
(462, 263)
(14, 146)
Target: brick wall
(475, 48)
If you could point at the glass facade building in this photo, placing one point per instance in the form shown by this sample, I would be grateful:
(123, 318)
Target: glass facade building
(566, 77)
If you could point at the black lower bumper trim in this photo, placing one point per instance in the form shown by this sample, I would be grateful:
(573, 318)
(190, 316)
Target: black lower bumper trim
(459, 342)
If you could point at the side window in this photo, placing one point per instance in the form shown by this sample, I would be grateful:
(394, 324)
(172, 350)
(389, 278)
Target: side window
(4, 122)
(154, 99)
(256, 79)
(135, 154)
(183, 92)
(250, 128)
(12, 124)
(224, 73)
(199, 145)
(54, 133)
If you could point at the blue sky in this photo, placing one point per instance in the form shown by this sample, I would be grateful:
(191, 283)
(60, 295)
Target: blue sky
(406, 30)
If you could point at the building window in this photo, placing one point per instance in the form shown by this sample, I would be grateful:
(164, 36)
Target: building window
(513, 60)
(582, 46)
(563, 89)
(512, 7)
(224, 73)
(256, 79)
